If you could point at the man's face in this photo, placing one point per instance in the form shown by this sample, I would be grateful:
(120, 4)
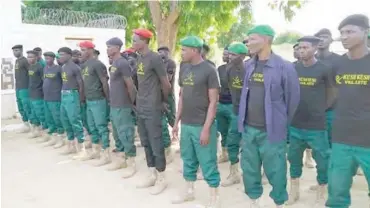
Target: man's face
(234, 56)
(225, 56)
(164, 54)
(325, 41)
(306, 50)
(86, 53)
(187, 53)
(64, 57)
(112, 50)
(256, 43)
(352, 36)
(17, 52)
(49, 60)
(76, 57)
(137, 42)
(32, 58)
(296, 52)
(110, 60)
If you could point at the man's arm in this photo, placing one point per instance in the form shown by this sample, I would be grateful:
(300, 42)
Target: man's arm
(213, 92)
(159, 68)
(126, 74)
(179, 109)
(101, 70)
(171, 70)
(80, 82)
(291, 90)
(331, 92)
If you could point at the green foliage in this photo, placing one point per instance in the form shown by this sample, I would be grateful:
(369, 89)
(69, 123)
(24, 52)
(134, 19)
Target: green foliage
(287, 37)
(237, 33)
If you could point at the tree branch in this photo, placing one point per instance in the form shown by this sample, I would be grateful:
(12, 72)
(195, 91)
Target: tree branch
(174, 15)
(155, 11)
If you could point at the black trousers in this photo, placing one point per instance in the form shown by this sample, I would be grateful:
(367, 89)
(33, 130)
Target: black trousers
(150, 132)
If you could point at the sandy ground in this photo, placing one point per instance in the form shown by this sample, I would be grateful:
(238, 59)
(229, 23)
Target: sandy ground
(34, 176)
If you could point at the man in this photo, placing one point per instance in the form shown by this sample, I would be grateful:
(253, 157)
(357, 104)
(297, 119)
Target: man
(270, 96)
(235, 75)
(350, 144)
(76, 56)
(39, 56)
(96, 54)
(36, 75)
(296, 53)
(122, 97)
(52, 87)
(224, 107)
(57, 57)
(151, 102)
(71, 96)
(205, 51)
(168, 117)
(308, 127)
(96, 88)
(21, 86)
(197, 107)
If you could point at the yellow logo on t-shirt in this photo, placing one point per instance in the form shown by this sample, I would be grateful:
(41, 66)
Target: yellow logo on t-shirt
(113, 69)
(85, 72)
(257, 77)
(188, 80)
(49, 75)
(352, 79)
(140, 69)
(16, 67)
(64, 77)
(307, 81)
(237, 83)
(31, 73)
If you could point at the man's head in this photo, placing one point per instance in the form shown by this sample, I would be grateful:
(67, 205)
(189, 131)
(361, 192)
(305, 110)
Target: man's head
(114, 46)
(39, 50)
(237, 51)
(76, 56)
(296, 51)
(32, 56)
(354, 30)
(260, 38)
(164, 52)
(141, 39)
(191, 48)
(17, 50)
(57, 57)
(307, 47)
(225, 55)
(87, 50)
(110, 59)
(65, 54)
(49, 57)
(96, 54)
(131, 56)
(325, 37)
(205, 51)
(368, 40)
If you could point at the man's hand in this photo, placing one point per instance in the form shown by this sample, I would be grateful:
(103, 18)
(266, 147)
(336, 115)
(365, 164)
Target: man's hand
(166, 108)
(204, 136)
(175, 133)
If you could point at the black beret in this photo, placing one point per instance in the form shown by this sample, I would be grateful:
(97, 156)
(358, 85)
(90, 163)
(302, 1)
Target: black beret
(115, 41)
(50, 54)
(96, 52)
(76, 52)
(355, 19)
(17, 47)
(295, 45)
(163, 48)
(65, 50)
(36, 53)
(311, 39)
(206, 47)
(38, 49)
(323, 31)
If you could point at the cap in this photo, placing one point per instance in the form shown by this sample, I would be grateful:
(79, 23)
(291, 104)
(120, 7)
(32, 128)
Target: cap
(65, 50)
(262, 30)
(355, 19)
(238, 48)
(192, 41)
(87, 44)
(323, 31)
(145, 33)
(115, 41)
(310, 39)
(36, 53)
(50, 54)
(163, 48)
(17, 47)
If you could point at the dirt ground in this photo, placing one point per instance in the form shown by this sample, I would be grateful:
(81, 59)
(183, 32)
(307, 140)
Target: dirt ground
(34, 176)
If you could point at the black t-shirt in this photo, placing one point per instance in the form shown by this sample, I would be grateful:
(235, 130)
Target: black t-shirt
(71, 75)
(314, 82)
(351, 123)
(195, 82)
(236, 74)
(52, 83)
(21, 73)
(256, 98)
(92, 71)
(36, 75)
(225, 96)
(119, 95)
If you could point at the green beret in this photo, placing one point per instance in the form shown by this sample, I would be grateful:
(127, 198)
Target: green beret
(359, 20)
(50, 54)
(192, 41)
(238, 48)
(57, 55)
(262, 30)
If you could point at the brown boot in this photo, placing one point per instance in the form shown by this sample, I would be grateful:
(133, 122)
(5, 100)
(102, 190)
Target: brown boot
(131, 168)
(223, 156)
(70, 149)
(234, 176)
(160, 184)
(119, 163)
(294, 191)
(44, 138)
(214, 198)
(35, 132)
(26, 128)
(186, 195)
(95, 151)
(60, 141)
(105, 158)
(53, 140)
(149, 180)
(82, 153)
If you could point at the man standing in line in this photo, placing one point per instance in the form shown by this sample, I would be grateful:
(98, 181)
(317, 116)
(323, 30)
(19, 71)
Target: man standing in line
(350, 144)
(122, 97)
(296, 53)
(168, 117)
(151, 103)
(71, 96)
(235, 75)
(96, 88)
(76, 56)
(39, 56)
(21, 87)
(52, 87)
(36, 76)
(197, 108)
(269, 99)
(205, 51)
(308, 128)
(224, 107)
